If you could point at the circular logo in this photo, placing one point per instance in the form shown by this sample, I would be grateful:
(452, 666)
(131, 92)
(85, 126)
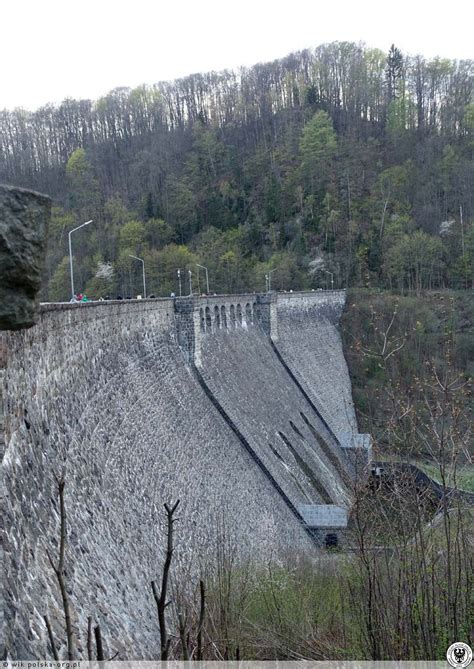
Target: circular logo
(459, 655)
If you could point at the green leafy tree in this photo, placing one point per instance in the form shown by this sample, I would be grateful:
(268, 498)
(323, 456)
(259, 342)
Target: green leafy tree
(318, 146)
(163, 266)
(182, 208)
(158, 233)
(84, 197)
(59, 288)
(391, 192)
(414, 262)
(132, 236)
(116, 213)
(394, 73)
(61, 222)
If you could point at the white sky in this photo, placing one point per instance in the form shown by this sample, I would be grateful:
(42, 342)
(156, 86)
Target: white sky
(53, 49)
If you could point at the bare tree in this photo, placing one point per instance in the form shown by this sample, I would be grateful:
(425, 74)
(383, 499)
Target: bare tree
(161, 597)
(202, 613)
(59, 570)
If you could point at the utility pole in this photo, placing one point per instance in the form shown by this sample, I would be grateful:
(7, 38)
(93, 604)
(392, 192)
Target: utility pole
(462, 230)
(207, 276)
(70, 255)
(270, 278)
(143, 270)
(332, 278)
(190, 282)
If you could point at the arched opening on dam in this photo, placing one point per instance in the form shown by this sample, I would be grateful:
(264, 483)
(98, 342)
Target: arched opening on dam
(217, 318)
(257, 312)
(248, 314)
(232, 316)
(239, 314)
(202, 320)
(223, 317)
(208, 319)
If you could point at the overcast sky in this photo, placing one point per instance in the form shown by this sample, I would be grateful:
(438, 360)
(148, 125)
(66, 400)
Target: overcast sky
(53, 49)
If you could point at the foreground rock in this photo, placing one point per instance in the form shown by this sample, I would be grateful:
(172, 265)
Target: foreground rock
(24, 218)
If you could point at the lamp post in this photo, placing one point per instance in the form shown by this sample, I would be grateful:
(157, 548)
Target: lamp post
(207, 276)
(190, 282)
(70, 254)
(266, 283)
(143, 268)
(270, 278)
(179, 281)
(332, 278)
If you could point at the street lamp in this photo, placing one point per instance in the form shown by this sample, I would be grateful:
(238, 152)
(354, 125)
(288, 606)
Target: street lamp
(70, 254)
(266, 283)
(207, 276)
(143, 268)
(190, 282)
(332, 278)
(270, 278)
(178, 271)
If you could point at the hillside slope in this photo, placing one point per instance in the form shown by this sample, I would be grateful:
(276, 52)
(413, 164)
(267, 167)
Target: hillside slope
(411, 362)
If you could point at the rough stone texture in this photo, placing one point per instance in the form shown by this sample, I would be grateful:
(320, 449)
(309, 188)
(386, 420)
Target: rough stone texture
(112, 395)
(103, 392)
(310, 343)
(24, 219)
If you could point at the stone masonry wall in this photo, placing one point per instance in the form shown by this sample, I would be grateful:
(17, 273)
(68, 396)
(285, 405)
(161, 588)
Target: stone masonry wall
(310, 343)
(104, 393)
(230, 403)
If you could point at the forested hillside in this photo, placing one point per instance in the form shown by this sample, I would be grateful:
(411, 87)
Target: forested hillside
(342, 163)
(411, 361)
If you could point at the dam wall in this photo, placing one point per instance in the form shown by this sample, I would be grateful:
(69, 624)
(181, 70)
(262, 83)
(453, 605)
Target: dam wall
(310, 343)
(254, 389)
(138, 403)
(103, 395)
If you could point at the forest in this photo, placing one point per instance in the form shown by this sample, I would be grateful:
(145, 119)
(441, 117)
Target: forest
(335, 166)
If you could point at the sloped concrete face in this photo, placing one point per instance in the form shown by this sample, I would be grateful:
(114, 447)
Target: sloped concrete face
(310, 344)
(103, 394)
(261, 399)
(24, 219)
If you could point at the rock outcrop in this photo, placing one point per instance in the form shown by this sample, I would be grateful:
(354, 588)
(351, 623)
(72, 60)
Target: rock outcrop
(24, 219)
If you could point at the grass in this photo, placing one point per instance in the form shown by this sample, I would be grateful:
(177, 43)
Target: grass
(464, 474)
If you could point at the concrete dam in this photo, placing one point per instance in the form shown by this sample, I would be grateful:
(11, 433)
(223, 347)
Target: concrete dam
(240, 406)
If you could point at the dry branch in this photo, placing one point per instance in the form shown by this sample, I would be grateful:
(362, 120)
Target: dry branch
(98, 643)
(51, 638)
(202, 613)
(89, 639)
(160, 598)
(60, 571)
